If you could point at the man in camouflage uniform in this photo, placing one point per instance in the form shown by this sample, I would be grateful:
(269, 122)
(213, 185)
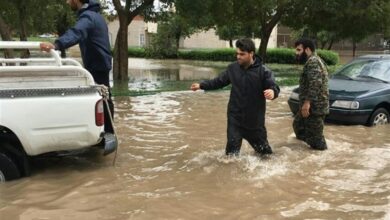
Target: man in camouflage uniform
(313, 96)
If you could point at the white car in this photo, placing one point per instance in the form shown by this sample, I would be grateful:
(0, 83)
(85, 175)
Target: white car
(47, 105)
(46, 36)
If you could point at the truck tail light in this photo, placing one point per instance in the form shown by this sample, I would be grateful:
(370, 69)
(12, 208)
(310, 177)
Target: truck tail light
(99, 113)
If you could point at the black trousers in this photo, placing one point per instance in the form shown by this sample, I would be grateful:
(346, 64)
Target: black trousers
(235, 133)
(103, 77)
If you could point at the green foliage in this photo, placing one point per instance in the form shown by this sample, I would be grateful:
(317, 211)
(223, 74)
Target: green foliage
(333, 20)
(287, 56)
(39, 16)
(281, 55)
(228, 32)
(253, 18)
(277, 55)
(227, 54)
(330, 57)
(165, 43)
(136, 52)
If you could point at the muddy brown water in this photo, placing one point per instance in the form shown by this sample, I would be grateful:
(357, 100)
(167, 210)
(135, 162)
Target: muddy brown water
(170, 165)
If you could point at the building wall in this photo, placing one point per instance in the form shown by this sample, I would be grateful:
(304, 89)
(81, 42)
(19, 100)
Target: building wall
(209, 39)
(136, 28)
(373, 42)
(204, 39)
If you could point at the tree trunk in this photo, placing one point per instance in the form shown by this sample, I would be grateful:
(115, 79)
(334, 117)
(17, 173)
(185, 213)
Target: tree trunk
(5, 34)
(265, 35)
(323, 44)
(330, 44)
(120, 67)
(62, 25)
(177, 41)
(22, 9)
(125, 15)
(266, 31)
(231, 43)
(354, 46)
(177, 44)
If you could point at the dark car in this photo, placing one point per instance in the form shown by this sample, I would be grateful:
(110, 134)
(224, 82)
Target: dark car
(359, 92)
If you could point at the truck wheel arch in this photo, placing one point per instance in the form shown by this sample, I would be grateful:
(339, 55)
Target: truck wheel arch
(8, 168)
(11, 146)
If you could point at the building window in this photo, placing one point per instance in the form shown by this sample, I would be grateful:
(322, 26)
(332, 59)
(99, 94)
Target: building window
(142, 39)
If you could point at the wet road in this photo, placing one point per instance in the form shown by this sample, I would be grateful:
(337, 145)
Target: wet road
(170, 165)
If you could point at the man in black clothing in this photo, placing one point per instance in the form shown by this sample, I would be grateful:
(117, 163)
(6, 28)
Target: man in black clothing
(252, 83)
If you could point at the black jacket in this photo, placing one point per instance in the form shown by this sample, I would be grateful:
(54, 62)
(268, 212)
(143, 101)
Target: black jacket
(246, 106)
(91, 33)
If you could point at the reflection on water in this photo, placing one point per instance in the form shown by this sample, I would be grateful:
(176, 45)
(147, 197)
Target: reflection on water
(171, 165)
(150, 76)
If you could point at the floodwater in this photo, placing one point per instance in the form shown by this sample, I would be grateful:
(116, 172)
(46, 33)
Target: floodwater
(171, 165)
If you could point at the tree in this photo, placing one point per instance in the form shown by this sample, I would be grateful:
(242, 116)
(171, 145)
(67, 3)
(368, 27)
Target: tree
(5, 34)
(171, 29)
(25, 18)
(233, 32)
(126, 12)
(164, 43)
(268, 13)
(364, 18)
(341, 19)
(259, 18)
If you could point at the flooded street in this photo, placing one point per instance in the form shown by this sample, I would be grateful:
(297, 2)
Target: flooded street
(171, 165)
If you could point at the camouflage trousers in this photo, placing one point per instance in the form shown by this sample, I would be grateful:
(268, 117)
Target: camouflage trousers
(310, 130)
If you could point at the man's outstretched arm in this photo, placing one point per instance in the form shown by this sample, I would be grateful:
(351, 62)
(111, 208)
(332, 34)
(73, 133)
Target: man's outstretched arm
(217, 83)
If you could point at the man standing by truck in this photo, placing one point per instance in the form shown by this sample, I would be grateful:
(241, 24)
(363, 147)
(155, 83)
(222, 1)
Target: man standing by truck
(91, 33)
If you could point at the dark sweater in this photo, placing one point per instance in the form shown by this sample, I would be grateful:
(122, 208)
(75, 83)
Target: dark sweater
(247, 103)
(91, 33)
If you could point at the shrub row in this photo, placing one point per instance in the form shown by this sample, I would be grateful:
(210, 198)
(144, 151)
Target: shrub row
(277, 55)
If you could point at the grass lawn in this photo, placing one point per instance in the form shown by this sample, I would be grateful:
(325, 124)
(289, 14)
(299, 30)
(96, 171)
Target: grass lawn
(285, 74)
(288, 74)
(39, 39)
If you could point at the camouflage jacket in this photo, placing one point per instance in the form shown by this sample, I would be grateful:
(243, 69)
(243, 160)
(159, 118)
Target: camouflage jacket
(313, 85)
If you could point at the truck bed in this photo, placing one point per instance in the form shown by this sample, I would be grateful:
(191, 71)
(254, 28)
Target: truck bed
(50, 104)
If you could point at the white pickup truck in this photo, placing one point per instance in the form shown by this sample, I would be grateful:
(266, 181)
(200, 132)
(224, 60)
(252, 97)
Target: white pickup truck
(47, 105)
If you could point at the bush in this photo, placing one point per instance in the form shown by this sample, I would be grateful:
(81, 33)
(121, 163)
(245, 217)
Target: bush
(330, 57)
(281, 55)
(276, 55)
(287, 56)
(136, 52)
(227, 54)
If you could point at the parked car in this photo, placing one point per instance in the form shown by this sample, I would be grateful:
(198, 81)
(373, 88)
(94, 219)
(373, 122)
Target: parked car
(359, 92)
(47, 105)
(46, 35)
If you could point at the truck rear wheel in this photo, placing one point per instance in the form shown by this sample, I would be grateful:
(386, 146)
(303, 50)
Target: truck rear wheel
(8, 168)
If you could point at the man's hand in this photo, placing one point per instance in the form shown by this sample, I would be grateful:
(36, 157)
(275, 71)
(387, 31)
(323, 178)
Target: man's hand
(269, 94)
(305, 111)
(46, 46)
(195, 86)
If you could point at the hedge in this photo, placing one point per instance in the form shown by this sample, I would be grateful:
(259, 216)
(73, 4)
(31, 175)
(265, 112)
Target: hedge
(226, 54)
(330, 57)
(276, 55)
(136, 52)
(287, 56)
